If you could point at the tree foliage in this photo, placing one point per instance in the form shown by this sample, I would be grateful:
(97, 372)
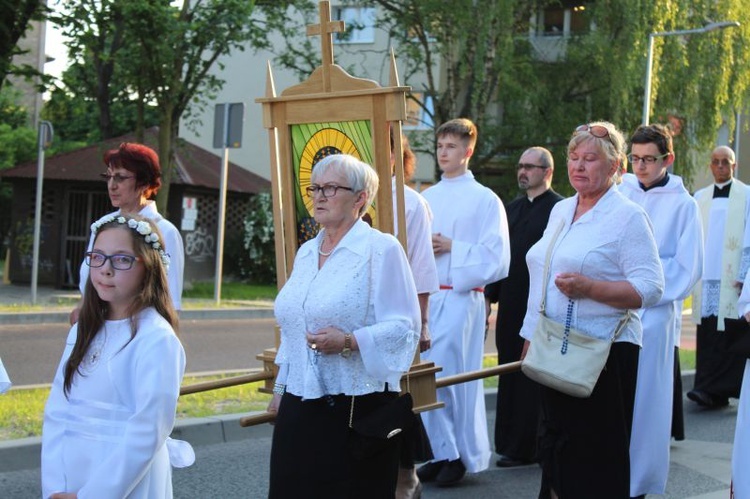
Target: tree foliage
(15, 16)
(488, 68)
(161, 53)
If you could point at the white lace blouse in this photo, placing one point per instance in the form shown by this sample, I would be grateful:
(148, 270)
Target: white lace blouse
(365, 287)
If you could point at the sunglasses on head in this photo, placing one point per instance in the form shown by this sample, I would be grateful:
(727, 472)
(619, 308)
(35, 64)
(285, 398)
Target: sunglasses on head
(598, 131)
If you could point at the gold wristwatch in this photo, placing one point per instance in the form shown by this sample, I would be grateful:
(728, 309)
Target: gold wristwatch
(346, 352)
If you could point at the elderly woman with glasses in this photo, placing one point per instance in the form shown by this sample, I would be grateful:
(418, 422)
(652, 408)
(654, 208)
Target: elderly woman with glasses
(133, 178)
(604, 262)
(350, 325)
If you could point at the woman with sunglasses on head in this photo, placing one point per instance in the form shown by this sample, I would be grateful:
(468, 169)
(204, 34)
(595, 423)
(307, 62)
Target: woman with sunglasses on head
(350, 324)
(604, 262)
(133, 178)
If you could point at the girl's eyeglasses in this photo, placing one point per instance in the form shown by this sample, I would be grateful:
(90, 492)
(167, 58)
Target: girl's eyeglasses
(97, 259)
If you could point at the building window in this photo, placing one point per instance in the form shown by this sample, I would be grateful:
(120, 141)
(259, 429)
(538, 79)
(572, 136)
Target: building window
(419, 112)
(359, 23)
(565, 20)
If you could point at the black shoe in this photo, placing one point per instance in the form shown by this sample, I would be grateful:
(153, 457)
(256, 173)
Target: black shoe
(428, 472)
(708, 400)
(509, 462)
(451, 473)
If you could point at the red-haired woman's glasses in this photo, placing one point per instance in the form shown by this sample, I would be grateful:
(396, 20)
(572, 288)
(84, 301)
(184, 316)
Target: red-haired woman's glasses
(598, 131)
(117, 178)
(97, 259)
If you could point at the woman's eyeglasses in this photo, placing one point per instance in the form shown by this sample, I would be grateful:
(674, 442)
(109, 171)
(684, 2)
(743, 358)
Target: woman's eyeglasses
(97, 259)
(118, 179)
(598, 131)
(647, 160)
(328, 190)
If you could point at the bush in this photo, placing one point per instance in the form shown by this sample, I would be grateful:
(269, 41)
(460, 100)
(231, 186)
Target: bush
(255, 260)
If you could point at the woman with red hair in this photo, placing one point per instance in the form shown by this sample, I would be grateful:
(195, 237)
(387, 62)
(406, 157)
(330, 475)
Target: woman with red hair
(133, 178)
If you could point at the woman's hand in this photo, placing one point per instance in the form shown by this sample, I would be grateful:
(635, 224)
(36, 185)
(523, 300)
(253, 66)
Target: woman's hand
(273, 405)
(327, 340)
(573, 285)
(747, 317)
(64, 495)
(424, 338)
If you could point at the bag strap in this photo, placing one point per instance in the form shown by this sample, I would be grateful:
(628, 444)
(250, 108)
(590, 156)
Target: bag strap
(547, 260)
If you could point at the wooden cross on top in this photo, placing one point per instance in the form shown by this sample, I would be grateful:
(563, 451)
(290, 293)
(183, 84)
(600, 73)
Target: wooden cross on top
(325, 29)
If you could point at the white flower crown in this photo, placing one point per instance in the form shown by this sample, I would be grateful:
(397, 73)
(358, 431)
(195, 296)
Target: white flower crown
(141, 227)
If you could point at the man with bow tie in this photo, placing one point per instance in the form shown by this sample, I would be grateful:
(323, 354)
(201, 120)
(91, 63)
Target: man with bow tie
(725, 210)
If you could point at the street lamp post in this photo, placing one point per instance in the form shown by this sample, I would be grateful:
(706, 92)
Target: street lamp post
(650, 59)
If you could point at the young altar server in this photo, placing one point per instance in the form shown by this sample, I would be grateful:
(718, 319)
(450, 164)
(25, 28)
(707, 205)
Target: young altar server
(112, 404)
(471, 246)
(676, 221)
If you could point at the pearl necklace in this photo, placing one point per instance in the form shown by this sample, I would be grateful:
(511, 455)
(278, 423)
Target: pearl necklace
(320, 248)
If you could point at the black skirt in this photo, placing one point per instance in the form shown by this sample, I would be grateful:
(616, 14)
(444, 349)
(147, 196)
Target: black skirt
(584, 443)
(310, 456)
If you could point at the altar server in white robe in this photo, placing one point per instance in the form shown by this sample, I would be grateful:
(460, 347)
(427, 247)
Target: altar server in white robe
(741, 449)
(725, 212)
(471, 245)
(677, 229)
(112, 404)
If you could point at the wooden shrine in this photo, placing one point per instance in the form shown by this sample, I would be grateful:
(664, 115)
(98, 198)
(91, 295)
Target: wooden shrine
(334, 112)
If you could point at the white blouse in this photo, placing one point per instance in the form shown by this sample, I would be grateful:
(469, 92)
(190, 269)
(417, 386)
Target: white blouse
(365, 287)
(613, 241)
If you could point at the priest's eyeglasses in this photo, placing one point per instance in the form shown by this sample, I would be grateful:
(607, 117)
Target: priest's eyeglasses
(118, 261)
(647, 160)
(117, 178)
(328, 190)
(598, 131)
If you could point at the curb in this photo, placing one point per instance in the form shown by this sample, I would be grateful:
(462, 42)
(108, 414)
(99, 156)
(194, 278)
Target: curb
(20, 318)
(24, 453)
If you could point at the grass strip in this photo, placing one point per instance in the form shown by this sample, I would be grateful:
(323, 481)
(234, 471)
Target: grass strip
(22, 410)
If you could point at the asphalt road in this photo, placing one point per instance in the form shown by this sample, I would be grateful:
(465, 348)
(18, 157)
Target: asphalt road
(699, 468)
(31, 352)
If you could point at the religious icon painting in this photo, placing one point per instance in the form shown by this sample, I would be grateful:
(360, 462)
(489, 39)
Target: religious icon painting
(312, 142)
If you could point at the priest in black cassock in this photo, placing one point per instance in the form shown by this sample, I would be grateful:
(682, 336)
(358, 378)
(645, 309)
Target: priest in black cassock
(517, 396)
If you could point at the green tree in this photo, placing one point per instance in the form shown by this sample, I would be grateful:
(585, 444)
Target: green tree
(488, 68)
(75, 113)
(163, 53)
(15, 16)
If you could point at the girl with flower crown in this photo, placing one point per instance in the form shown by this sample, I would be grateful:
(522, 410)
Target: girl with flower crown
(112, 404)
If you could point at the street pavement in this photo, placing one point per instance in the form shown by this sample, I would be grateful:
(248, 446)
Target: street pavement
(232, 462)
